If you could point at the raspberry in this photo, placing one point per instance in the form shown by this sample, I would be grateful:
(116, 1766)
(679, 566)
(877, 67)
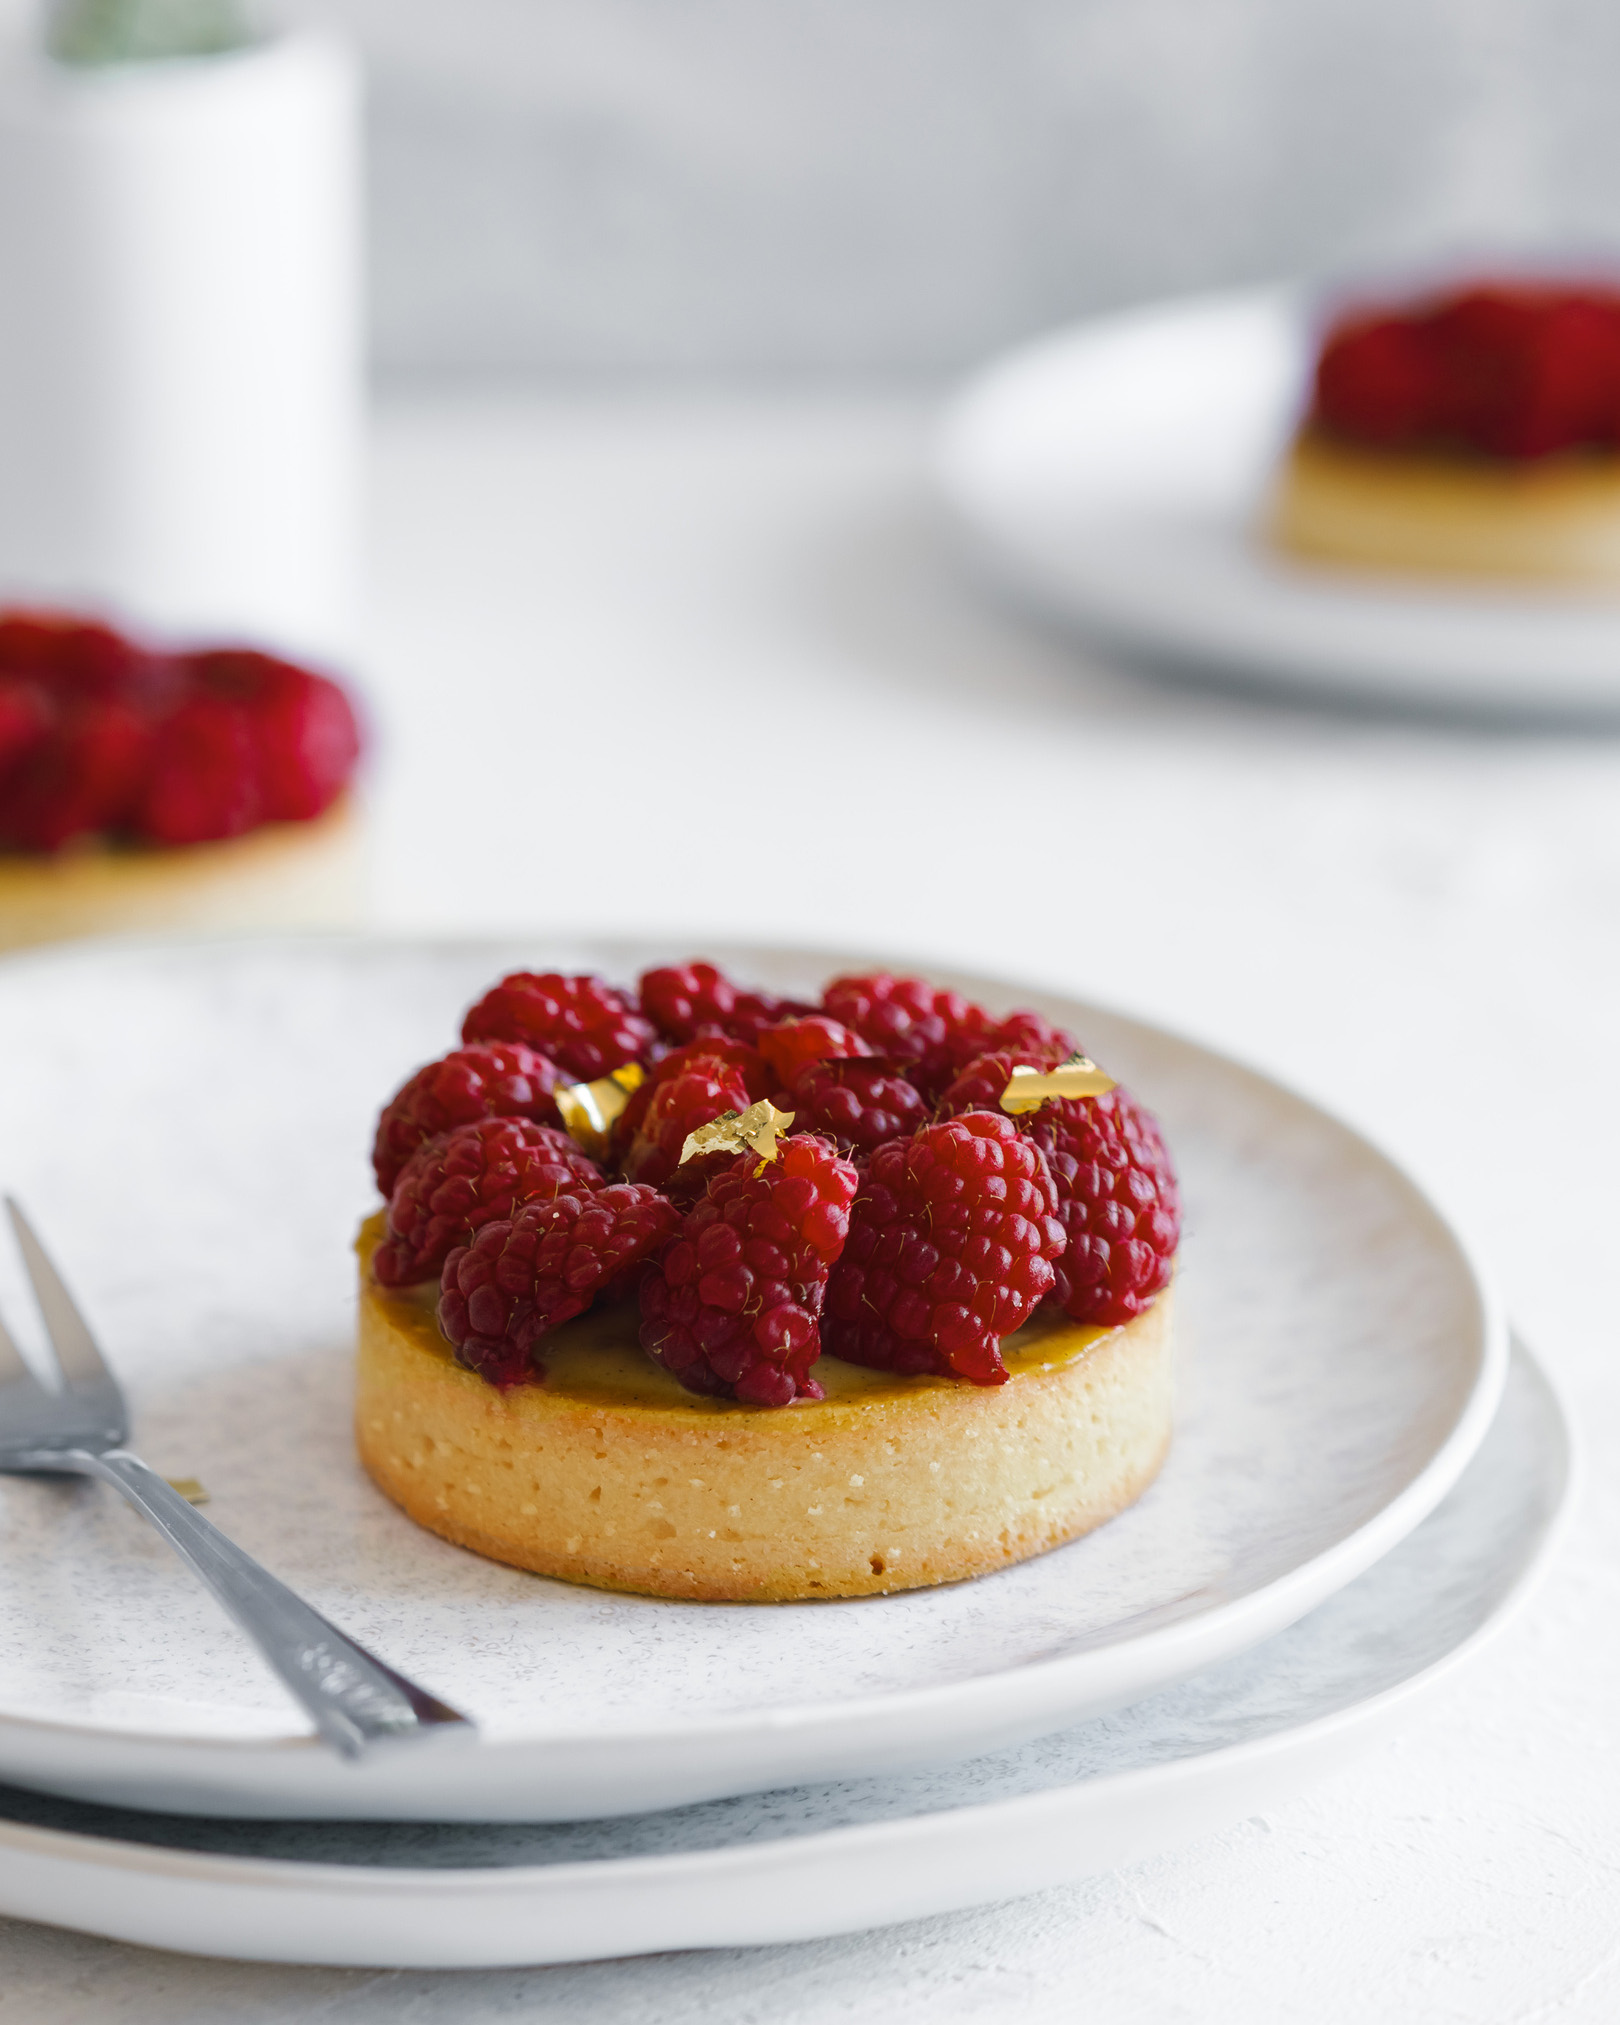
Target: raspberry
(453, 1185)
(733, 1307)
(302, 728)
(927, 1034)
(1117, 1199)
(203, 779)
(526, 1274)
(83, 776)
(25, 719)
(757, 1080)
(857, 1104)
(1029, 1034)
(78, 661)
(796, 1044)
(950, 1247)
(981, 1084)
(502, 1080)
(680, 1104)
(684, 1000)
(581, 1023)
(1514, 372)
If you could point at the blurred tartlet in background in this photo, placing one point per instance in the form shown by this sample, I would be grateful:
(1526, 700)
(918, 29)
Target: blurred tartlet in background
(1471, 433)
(142, 790)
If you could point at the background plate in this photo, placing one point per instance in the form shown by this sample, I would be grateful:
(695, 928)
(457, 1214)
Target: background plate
(829, 1859)
(1114, 475)
(200, 1180)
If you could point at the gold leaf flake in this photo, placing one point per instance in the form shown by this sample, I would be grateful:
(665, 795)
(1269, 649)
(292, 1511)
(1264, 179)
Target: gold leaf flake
(756, 1128)
(189, 1488)
(1030, 1088)
(589, 1109)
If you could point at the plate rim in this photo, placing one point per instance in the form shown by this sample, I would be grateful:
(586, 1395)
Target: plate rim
(1296, 1591)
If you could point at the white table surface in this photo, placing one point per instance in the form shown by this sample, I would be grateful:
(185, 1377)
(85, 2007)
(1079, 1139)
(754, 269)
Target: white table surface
(701, 664)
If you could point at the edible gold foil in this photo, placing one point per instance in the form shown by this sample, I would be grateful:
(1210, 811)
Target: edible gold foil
(589, 1109)
(756, 1129)
(189, 1488)
(1030, 1088)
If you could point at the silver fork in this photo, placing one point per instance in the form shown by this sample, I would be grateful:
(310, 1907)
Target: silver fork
(354, 1700)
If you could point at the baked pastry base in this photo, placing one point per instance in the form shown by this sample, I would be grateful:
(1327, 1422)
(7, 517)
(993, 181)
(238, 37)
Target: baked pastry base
(611, 1474)
(1555, 521)
(287, 875)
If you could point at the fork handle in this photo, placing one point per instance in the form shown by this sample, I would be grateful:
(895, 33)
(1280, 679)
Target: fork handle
(353, 1699)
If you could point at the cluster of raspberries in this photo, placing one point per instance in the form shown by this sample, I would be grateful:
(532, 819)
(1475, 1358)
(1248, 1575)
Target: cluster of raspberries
(101, 737)
(1505, 372)
(905, 1221)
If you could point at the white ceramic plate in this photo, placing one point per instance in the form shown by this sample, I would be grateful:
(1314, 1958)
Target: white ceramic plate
(790, 1866)
(191, 1139)
(1114, 475)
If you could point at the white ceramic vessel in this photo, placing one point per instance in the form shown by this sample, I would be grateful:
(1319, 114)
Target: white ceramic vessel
(180, 341)
(828, 1859)
(1341, 1361)
(1114, 477)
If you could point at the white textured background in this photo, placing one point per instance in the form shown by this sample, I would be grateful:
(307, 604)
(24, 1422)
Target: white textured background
(899, 185)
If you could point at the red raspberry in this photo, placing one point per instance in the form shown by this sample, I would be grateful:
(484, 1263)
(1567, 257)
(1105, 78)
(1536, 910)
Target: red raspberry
(79, 661)
(453, 1185)
(1515, 372)
(736, 1055)
(950, 1247)
(982, 1083)
(203, 780)
(733, 1307)
(502, 1080)
(302, 728)
(1030, 1034)
(686, 999)
(25, 719)
(1377, 381)
(581, 1023)
(1117, 1199)
(856, 1104)
(84, 776)
(704, 1091)
(793, 1045)
(526, 1274)
(928, 1034)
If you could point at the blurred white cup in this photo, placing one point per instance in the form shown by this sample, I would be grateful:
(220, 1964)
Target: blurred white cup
(180, 342)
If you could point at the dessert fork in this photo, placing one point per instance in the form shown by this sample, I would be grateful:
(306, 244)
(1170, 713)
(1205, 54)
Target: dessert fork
(79, 1428)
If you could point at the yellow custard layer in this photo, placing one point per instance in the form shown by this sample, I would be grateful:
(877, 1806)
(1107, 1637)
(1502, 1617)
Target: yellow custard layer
(610, 1473)
(598, 1360)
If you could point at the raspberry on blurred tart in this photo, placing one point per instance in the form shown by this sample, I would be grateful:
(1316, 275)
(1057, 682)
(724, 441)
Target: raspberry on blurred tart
(818, 1300)
(142, 790)
(1474, 433)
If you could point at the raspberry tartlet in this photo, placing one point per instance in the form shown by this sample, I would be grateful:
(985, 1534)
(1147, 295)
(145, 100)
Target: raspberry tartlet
(1475, 433)
(143, 790)
(696, 1292)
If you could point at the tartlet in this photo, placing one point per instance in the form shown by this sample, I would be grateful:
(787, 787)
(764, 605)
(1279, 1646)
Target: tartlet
(1472, 435)
(904, 1322)
(144, 789)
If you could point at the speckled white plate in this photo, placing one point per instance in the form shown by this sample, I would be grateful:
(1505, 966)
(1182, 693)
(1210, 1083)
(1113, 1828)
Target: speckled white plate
(829, 1859)
(189, 1124)
(1115, 475)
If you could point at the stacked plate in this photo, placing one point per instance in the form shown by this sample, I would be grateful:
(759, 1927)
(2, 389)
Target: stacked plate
(1364, 1478)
